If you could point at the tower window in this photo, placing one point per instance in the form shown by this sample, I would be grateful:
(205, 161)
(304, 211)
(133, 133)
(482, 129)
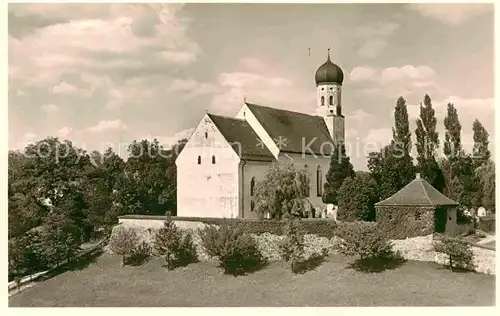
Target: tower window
(213, 160)
(252, 186)
(322, 101)
(199, 160)
(331, 100)
(331, 88)
(319, 182)
(206, 135)
(322, 89)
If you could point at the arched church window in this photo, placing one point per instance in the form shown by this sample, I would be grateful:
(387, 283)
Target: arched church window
(331, 100)
(319, 182)
(213, 160)
(252, 205)
(322, 101)
(252, 186)
(199, 160)
(305, 180)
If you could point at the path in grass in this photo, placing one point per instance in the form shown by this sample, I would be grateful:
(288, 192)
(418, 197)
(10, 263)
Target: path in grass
(104, 283)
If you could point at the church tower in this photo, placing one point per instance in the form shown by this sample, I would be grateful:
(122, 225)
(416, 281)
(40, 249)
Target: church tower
(329, 78)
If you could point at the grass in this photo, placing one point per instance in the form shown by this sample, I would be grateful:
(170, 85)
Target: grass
(333, 283)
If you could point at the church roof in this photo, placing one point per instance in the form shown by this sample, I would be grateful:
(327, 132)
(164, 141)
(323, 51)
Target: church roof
(237, 131)
(293, 129)
(418, 193)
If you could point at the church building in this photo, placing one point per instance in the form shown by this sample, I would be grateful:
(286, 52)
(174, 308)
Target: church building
(226, 156)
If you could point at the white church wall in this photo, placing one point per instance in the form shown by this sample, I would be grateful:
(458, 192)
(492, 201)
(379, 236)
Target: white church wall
(251, 169)
(207, 189)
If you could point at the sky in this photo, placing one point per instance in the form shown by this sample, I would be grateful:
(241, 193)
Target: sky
(102, 75)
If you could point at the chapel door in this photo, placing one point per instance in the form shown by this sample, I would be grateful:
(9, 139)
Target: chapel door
(440, 218)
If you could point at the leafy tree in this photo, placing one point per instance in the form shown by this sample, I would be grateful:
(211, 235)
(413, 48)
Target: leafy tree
(340, 169)
(236, 250)
(427, 145)
(453, 140)
(149, 184)
(177, 248)
(392, 167)
(282, 192)
(486, 176)
(366, 241)
(459, 252)
(291, 246)
(480, 151)
(358, 196)
(124, 243)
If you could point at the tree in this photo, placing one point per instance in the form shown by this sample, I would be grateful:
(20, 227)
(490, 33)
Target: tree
(480, 151)
(427, 145)
(148, 185)
(102, 180)
(357, 198)
(453, 142)
(486, 175)
(177, 248)
(124, 243)
(392, 167)
(282, 192)
(401, 133)
(340, 169)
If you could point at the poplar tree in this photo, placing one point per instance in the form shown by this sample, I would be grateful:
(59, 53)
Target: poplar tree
(480, 151)
(453, 143)
(427, 145)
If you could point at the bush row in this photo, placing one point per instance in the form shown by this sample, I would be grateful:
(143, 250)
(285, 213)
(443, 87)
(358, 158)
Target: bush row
(239, 251)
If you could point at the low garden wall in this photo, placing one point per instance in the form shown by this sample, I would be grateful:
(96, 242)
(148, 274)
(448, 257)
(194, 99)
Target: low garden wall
(487, 223)
(322, 227)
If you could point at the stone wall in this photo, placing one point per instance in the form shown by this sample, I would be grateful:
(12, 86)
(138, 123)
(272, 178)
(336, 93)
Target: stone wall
(403, 222)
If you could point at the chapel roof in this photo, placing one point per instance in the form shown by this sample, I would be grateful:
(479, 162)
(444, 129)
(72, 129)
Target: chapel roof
(296, 130)
(241, 135)
(418, 193)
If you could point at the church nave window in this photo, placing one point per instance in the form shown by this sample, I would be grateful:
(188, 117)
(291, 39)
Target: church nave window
(199, 160)
(213, 160)
(252, 186)
(319, 182)
(206, 135)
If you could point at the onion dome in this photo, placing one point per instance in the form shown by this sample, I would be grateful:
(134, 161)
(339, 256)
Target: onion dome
(329, 73)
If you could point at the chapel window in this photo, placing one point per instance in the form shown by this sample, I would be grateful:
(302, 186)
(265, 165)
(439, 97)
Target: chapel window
(319, 182)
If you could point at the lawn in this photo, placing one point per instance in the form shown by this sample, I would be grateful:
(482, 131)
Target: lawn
(334, 283)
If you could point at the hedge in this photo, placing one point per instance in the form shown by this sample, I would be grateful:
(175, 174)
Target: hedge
(320, 227)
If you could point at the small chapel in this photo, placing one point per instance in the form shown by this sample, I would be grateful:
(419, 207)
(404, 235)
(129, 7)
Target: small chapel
(226, 156)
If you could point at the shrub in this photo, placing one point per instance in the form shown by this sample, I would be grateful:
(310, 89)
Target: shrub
(292, 246)
(177, 248)
(357, 197)
(366, 241)
(459, 252)
(140, 254)
(235, 249)
(124, 243)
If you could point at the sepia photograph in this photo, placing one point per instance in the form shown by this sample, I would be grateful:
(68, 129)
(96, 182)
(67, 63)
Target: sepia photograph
(250, 154)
